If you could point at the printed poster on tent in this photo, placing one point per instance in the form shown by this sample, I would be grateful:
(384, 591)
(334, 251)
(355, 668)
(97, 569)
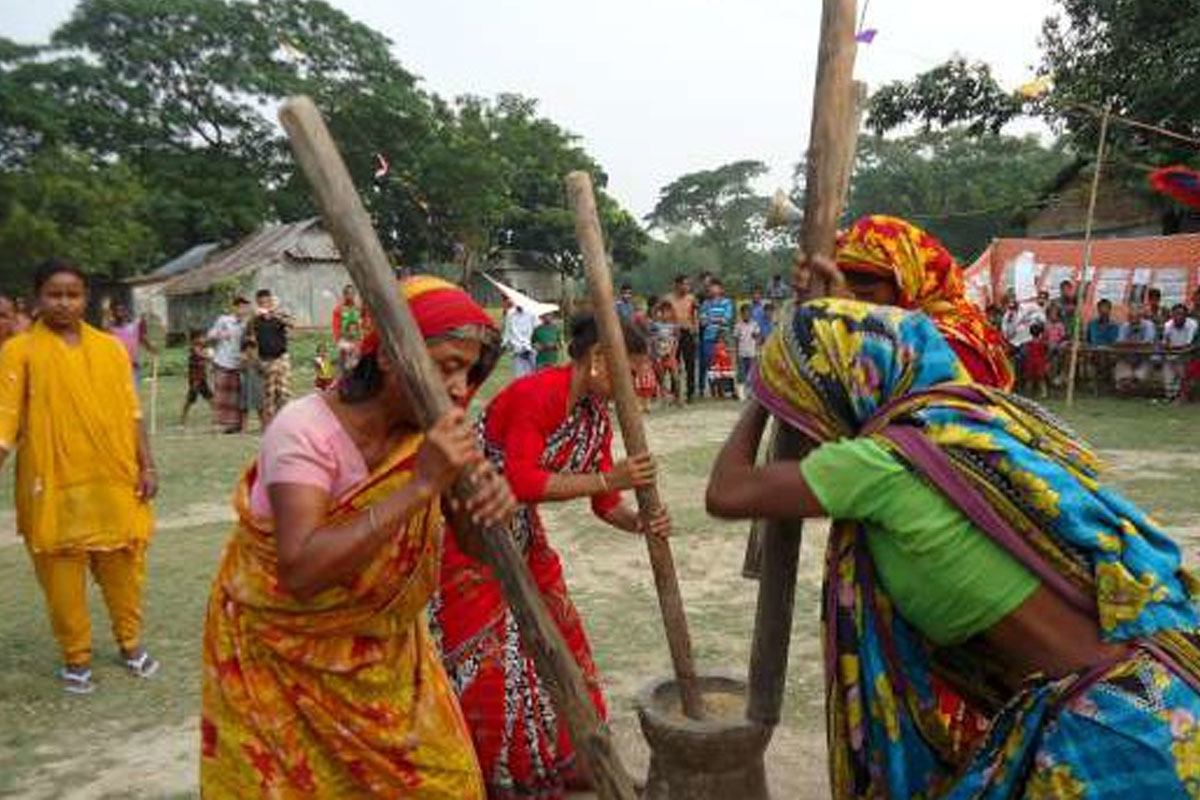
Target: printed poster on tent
(1172, 282)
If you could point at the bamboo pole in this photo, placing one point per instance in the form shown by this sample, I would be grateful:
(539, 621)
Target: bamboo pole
(154, 395)
(582, 200)
(830, 149)
(1077, 328)
(752, 560)
(348, 223)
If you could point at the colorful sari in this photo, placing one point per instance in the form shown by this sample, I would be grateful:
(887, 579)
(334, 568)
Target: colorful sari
(1128, 728)
(928, 279)
(523, 747)
(341, 695)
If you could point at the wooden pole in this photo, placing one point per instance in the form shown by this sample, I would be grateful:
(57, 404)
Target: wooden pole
(830, 149)
(752, 561)
(154, 395)
(1077, 328)
(348, 223)
(582, 200)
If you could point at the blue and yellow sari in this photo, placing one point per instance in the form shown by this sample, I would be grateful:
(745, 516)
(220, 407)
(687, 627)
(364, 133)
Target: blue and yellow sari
(1128, 728)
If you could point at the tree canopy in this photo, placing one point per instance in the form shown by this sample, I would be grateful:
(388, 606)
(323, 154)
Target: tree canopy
(963, 187)
(1138, 57)
(719, 204)
(169, 108)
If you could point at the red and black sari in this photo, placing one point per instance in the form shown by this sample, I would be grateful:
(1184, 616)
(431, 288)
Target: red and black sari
(530, 432)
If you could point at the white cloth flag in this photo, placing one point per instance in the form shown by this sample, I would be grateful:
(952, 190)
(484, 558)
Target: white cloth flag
(535, 307)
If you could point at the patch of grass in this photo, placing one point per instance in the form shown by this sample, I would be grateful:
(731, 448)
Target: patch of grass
(1117, 423)
(608, 574)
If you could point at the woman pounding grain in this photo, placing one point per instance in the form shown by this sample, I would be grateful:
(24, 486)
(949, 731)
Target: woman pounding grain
(551, 435)
(320, 677)
(889, 261)
(974, 542)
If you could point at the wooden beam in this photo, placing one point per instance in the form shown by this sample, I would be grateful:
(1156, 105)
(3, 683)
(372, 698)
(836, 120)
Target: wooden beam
(582, 199)
(348, 223)
(830, 157)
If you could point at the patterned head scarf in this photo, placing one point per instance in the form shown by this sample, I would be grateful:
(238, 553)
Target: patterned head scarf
(842, 369)
(928, 279)
(443, 310)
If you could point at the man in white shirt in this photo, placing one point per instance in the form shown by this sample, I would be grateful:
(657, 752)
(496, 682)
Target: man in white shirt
(518, 338)
(226, 338)
(1138, 332)
(1179, 333)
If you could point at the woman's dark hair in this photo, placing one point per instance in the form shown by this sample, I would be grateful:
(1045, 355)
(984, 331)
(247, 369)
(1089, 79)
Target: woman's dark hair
(363, 382)
(55, 266)
(585, 334)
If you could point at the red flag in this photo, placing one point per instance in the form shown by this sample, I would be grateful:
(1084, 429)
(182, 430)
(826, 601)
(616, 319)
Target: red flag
(1178, 182)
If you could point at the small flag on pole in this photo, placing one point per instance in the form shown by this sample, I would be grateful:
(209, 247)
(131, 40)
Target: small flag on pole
(381, 167)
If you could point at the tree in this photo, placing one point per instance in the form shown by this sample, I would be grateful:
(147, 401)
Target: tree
(182, 95)
(719, 203)
(964, 188)
(1137, 56)
(64, 206)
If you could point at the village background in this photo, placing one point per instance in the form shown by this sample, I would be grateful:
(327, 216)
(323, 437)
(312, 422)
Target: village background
(137, 141)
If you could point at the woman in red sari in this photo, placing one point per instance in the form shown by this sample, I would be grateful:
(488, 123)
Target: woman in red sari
(551, 435)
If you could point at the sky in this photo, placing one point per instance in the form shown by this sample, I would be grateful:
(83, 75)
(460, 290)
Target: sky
(659, 88)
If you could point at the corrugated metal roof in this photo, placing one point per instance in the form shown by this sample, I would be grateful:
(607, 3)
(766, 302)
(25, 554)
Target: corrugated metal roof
(302, 241)
(185, 262)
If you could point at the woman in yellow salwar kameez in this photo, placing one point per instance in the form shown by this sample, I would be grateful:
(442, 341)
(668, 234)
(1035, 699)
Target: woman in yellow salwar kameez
(84, 477)
(320, 677)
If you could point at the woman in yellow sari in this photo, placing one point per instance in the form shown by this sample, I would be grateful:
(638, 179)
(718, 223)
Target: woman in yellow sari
(320, 677)
(85, 476)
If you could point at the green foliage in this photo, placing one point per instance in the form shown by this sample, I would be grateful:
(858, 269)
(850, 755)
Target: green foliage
(63, 205)
(1137, 56)
(964, 188)
(718, 203)
(953, 93)
(1140, 56)
(181, 96)
(691, 254)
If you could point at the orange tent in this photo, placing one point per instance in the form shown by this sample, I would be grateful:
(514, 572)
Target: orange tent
(1122, 270)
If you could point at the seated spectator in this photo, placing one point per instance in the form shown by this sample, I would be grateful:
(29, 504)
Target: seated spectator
(1018, 320)
(1155, 311)
(1180, 370)
(1133, 369)
(1102, 331)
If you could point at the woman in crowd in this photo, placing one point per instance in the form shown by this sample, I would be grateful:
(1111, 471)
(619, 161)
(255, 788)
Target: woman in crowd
(973, 541)
(889, 261)
(551, 435)
(320, 677)
(85, 475)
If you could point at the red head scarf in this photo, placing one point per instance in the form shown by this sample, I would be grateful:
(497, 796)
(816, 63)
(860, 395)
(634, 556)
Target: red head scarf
(444, 311)
(928, 279)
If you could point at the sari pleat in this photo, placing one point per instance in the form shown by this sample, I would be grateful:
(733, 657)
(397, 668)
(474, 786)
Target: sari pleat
(342, 695)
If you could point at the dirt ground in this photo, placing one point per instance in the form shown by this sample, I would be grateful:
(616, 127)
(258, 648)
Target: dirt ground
(610, 580)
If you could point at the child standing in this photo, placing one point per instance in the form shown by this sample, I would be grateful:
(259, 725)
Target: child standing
(197, 374)
(1057, 341)
(323, 372)
(1036, 363)
(748, 334)
(664, 350)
